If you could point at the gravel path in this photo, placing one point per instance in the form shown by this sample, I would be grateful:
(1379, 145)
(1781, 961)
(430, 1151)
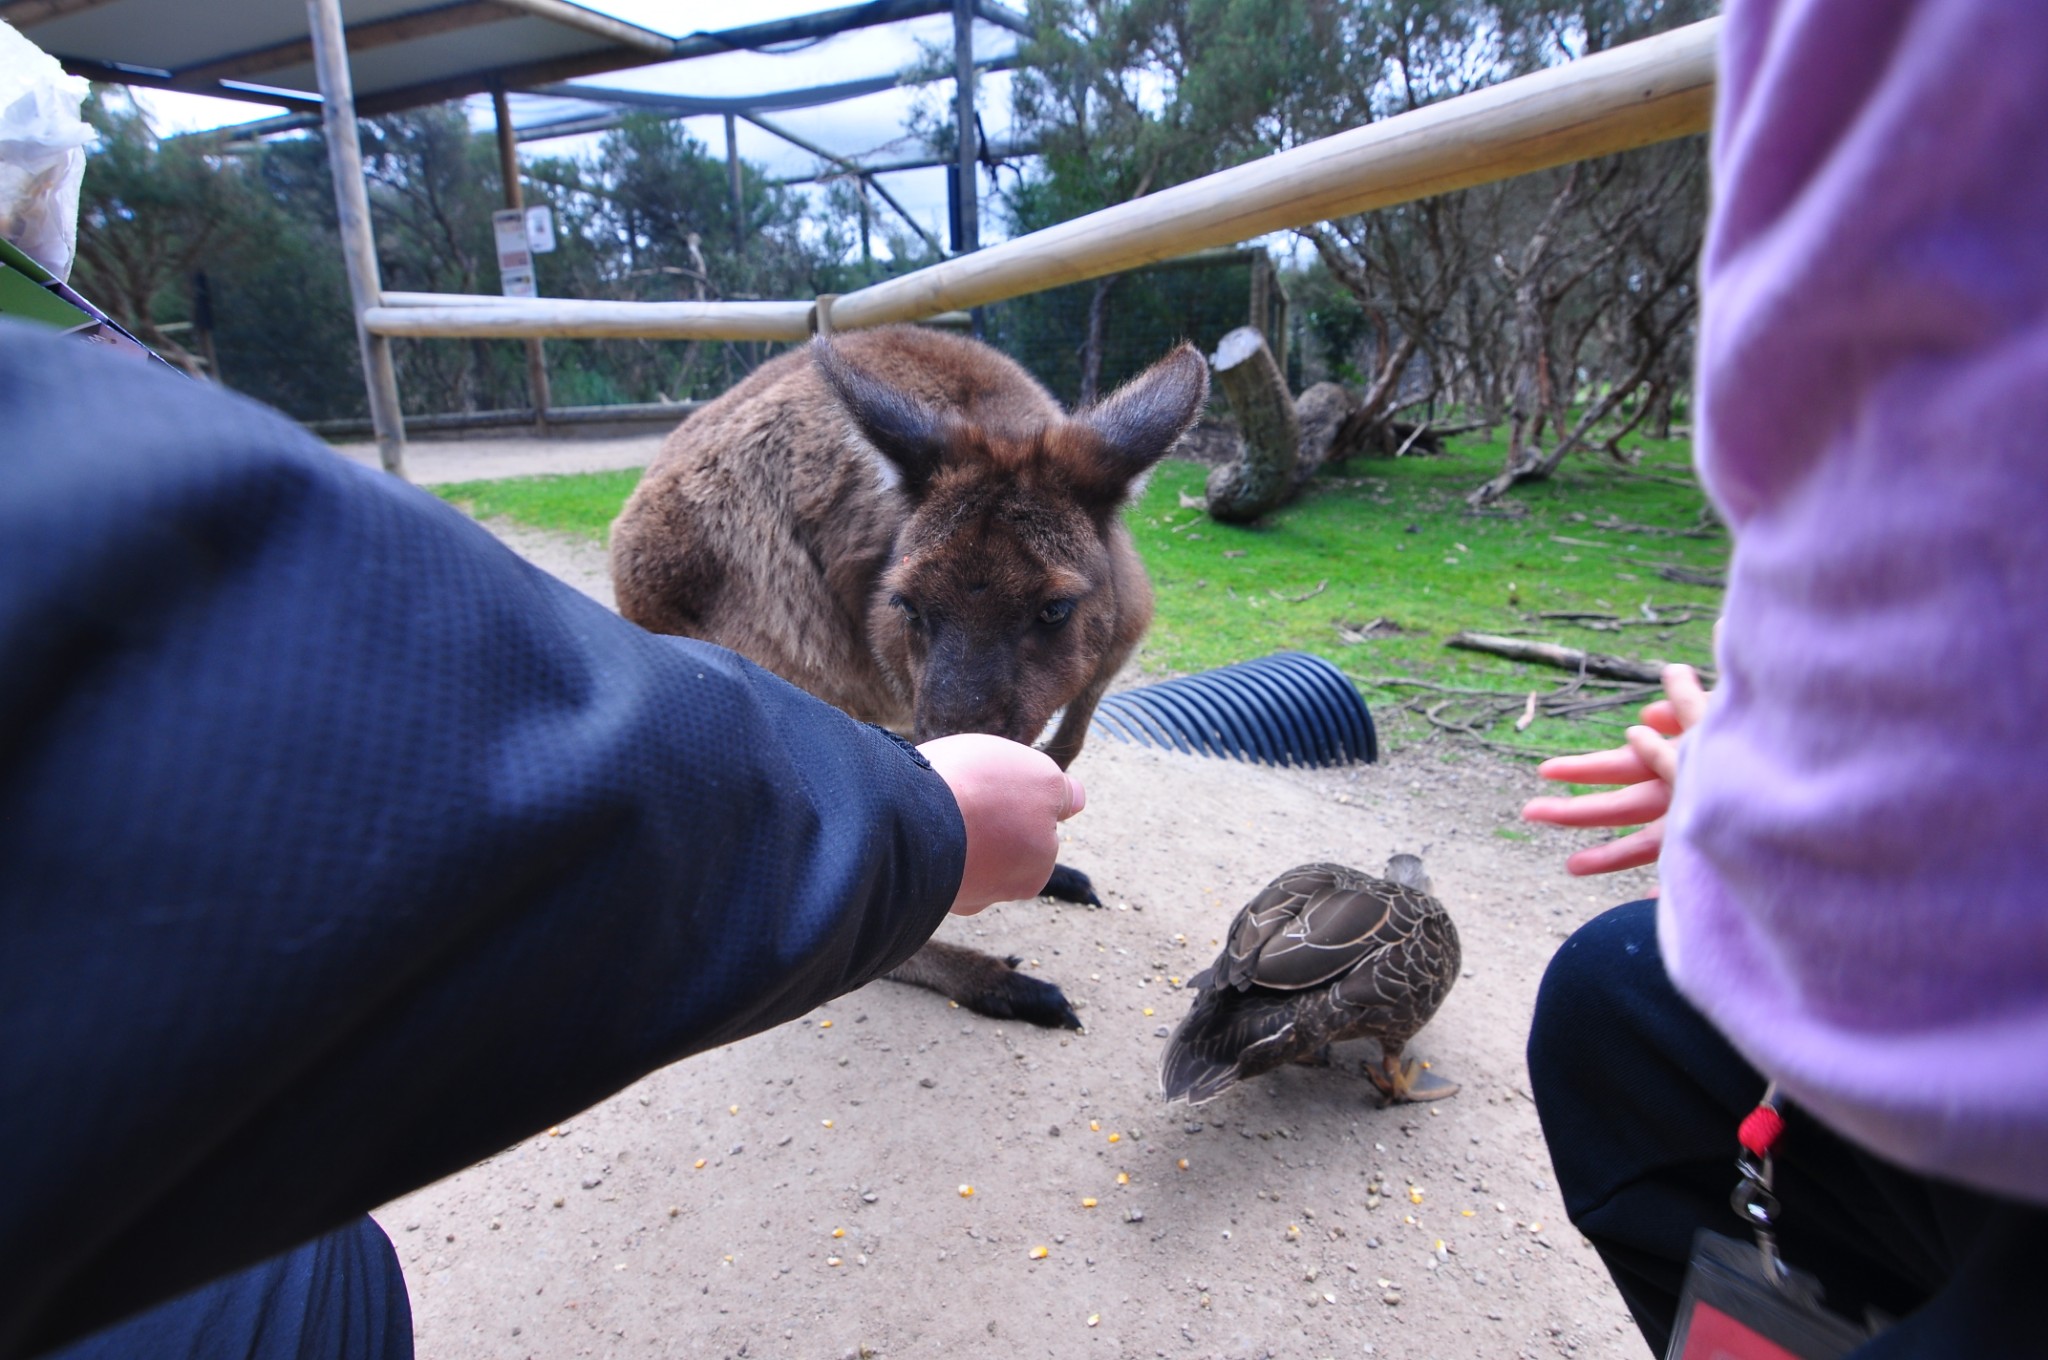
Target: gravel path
(488, 456)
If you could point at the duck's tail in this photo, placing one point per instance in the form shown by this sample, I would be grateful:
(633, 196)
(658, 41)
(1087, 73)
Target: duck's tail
(1228, 1036)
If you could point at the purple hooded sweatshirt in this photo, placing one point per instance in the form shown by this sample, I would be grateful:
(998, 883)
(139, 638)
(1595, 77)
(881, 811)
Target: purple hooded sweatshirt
(1856, 874)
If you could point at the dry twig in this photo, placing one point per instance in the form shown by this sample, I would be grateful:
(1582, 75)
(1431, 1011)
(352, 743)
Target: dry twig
(1321, 586)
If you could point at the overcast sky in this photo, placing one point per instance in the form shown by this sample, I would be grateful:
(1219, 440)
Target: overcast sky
(873, 125)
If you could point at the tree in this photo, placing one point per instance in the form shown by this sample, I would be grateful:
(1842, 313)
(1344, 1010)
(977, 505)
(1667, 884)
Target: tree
(1563, 292)
(149, 217)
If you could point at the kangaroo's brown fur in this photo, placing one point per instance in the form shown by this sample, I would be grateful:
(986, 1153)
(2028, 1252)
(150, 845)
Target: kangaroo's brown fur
(904, 523)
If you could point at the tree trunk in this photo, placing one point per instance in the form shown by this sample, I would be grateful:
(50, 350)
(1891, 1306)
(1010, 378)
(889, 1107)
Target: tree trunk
(1263, 476)
(1381, 395)
(1096, 337)
(1529, 403)
(1660, 410)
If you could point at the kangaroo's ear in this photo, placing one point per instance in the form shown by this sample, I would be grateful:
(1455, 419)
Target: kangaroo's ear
(906, 431)
(1142, 419)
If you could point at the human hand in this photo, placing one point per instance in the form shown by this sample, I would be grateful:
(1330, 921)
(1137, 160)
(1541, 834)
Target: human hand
(1012, 799)
(1646, 768)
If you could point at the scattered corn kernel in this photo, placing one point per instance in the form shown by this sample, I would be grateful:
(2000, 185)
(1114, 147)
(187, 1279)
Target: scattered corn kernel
(1535, 1227)
(1094, 1318)
(824, 1024)
(555, 1132)
(1123, 1178)
(1415, 1194)
(967, 1192)
(953, 1005)
(1116, 1138)
(839, 1232)
(1088, 1202)
(1466, 1212)
(732, 1109)
(834, 1261)
(1293, 1232)
(1095, 1126)
(1038, 1253)
(826, 1122)
(700, 1163)
(1174, 980)
(1148, 1010)
(1182, 1164)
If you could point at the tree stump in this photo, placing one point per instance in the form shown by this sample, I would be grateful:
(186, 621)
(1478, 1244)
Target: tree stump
(1264, 475)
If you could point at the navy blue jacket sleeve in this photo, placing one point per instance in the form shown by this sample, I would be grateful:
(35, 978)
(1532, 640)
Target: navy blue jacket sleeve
(340, 848)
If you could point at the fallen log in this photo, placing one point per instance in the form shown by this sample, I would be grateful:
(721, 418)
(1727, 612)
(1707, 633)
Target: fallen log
(1566, 658)
(1688, 576)
(1321, 412)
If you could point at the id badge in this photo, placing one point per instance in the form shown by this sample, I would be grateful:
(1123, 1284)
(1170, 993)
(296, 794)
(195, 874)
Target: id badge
(1730, 1309)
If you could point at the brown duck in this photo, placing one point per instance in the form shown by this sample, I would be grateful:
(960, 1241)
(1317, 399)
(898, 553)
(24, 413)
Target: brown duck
(1323, 954)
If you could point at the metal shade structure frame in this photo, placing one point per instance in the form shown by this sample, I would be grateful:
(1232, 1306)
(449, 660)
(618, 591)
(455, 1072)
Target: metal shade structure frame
(397, 54)
(1654, 90)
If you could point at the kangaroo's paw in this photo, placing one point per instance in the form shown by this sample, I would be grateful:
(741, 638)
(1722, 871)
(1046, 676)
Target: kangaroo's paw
(1020, 996)
(1069, 884)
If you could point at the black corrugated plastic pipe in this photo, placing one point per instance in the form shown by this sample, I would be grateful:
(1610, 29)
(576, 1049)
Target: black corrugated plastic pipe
(1290, 708)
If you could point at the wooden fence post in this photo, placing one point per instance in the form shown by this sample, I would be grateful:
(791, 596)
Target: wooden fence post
(358, 246)
(515, 197)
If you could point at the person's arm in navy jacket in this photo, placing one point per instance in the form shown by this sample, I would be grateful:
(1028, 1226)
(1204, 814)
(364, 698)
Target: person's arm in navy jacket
(340, 848)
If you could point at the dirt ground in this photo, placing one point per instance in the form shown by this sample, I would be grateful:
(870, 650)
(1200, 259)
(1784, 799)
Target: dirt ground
(803, 1193)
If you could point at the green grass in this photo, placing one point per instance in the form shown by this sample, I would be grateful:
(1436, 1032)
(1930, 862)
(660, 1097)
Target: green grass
(1394, 541)
(582, 503)
(1387, 541)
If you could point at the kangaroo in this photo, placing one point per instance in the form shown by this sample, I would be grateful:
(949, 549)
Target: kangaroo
(906, 524)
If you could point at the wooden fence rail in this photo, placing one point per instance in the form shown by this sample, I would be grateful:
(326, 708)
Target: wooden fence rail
(1645, 92)
(568, 318)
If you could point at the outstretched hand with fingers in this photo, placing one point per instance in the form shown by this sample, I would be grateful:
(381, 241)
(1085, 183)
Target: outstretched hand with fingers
(1012, 799)
(1647, 768)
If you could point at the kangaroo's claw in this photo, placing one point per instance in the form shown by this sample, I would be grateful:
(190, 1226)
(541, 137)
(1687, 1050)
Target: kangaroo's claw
(1069, 884)
(1020, 996)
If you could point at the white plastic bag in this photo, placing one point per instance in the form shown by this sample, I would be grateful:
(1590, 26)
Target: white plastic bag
(42, 152)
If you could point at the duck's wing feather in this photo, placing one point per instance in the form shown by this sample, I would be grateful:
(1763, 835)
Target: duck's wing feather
(1309, 925)
(1226, 1037)
(1418, 962)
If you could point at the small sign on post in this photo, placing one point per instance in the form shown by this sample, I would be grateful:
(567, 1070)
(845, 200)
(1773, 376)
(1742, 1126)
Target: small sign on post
(540, 229)
(515, 255)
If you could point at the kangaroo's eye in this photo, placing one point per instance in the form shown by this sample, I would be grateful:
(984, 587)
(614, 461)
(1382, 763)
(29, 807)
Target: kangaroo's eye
(1055, 614)
(909, 610)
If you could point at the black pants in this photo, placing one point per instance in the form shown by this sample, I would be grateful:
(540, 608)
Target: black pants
(338, 1297)
(1640, 1098)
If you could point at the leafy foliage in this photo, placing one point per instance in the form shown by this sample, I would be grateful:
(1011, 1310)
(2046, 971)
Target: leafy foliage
(648, 216)
(1525, 298)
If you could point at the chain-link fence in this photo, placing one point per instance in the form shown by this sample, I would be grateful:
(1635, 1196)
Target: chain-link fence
(1121, 324)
